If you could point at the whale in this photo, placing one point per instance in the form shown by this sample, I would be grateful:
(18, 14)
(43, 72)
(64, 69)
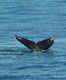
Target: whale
(44, 44)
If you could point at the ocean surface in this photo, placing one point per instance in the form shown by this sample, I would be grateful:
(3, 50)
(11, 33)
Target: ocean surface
(35, 20)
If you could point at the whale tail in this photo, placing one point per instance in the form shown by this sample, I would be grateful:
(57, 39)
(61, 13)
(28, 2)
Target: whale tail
(40, 45)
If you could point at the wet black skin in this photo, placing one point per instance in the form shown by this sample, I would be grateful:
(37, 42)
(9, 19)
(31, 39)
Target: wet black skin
(40, 45)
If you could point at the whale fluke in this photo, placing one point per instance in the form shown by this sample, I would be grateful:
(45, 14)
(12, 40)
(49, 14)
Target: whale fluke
(45, 44)
(28, 43)
(40, 45)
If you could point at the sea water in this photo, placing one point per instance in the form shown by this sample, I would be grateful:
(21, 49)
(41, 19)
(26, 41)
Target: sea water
(35, 20)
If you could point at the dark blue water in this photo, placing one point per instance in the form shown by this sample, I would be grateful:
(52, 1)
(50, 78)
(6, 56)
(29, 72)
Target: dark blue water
(35, 20)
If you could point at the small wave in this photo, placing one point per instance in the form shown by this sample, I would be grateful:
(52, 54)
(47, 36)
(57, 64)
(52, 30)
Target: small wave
(24, 51)
(32, 66)
(13, 51)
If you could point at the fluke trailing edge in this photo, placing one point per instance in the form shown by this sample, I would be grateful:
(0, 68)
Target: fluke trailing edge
(40, 45)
